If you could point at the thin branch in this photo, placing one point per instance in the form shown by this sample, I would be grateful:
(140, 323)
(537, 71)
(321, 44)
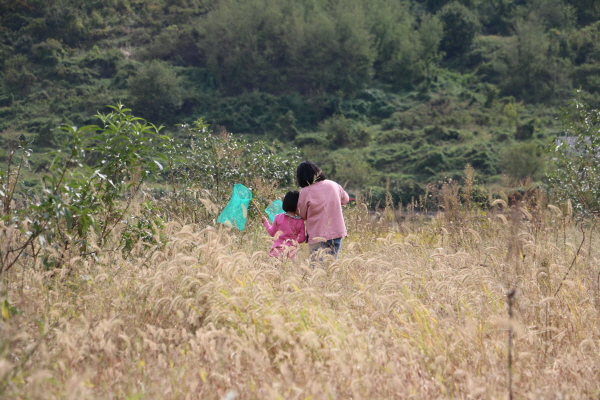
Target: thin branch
(572, 262)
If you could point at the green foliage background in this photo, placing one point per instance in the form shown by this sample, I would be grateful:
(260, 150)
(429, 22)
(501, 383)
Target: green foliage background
(379, 93)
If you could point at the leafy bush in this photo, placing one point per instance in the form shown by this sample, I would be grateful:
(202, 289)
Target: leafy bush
(156, 91)
(585, 44)
(526, 131)
(87, 193)
(48, 52)
(176, 43)
(395, 136)
(351, 169)
(431, 161)
(460, 27)
(435, 134)
(481, 156)
(575, 173)
(400, 190)
(212, 163)
(343, 132)
(522, 160)
(588, 76)
(311, 139)
(17, 74)
(587, 11)
(104, 62)
(392, 157)
(404, 55)
(526, 65)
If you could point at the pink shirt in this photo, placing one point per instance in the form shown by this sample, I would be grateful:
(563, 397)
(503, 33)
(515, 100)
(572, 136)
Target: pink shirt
(288, 231)
(320, 205)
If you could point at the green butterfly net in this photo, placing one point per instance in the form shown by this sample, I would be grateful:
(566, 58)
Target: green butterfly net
(276, 207)
(235, 213)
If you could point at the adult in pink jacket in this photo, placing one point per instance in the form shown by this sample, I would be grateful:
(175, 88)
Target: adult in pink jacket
(320, 206)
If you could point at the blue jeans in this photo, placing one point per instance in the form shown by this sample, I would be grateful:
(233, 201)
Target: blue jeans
(332, 246)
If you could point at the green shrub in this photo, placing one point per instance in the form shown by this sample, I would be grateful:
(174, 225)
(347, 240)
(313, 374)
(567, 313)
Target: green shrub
(522, 160)
(575, 173)
(176, 43)
(395, 136)
(104, 62)
(431, 162)
(48, 52)
(351, 169)
(404, 55)
(392, 157)
(502, 135)
(482, 158)
(17, 75)
(156, 91)
(286, 126)
(438, 133)
(343, 132)
(497, 16)
(401, 189)
(587, 76)
(413, 118)
(527, 65)
(315, 139)
(526, 131)
(217, 161)
(460, 27)
(80, 199)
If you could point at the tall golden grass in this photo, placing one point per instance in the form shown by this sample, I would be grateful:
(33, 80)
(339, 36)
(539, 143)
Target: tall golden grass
(409, 311)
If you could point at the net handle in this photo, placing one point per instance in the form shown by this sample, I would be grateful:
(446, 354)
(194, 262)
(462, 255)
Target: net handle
(257, 207)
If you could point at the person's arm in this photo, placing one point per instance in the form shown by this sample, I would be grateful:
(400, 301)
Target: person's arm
(302, 208)
(344, 196)
(302, 235)
(271, 229)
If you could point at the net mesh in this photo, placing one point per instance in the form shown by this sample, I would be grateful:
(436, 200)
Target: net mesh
(276, 207)
(235, 212)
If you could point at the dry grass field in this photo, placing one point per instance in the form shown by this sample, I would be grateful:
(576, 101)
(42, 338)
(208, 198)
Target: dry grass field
(413, 310)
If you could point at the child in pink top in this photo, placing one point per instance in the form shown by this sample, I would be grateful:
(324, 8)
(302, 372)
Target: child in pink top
(320, 205)
(287, 228)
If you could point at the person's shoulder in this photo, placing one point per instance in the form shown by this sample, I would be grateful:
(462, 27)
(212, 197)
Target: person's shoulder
(331, 183)
(280, 217)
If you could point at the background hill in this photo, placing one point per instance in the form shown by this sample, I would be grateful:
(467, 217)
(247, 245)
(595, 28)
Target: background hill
(379, 93)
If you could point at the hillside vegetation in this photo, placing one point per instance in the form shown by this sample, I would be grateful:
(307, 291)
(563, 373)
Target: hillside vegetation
(380, 93)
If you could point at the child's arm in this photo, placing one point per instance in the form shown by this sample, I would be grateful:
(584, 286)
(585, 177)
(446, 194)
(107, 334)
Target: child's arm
(271, 229)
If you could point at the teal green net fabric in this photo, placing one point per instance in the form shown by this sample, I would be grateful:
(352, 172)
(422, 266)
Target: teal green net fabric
(236, 211)
(276, 207)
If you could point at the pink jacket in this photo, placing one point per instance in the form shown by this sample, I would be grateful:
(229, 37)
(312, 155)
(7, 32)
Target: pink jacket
(320, 205)
(288, 231)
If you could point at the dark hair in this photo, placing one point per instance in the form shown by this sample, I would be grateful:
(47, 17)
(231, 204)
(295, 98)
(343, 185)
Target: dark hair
(308, 173)
(290, 201)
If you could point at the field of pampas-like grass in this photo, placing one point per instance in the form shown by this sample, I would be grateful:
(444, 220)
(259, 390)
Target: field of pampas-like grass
(412, 310)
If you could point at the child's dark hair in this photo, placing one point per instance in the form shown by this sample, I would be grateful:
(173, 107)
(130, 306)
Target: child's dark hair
(308, 173)
(290, 201)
